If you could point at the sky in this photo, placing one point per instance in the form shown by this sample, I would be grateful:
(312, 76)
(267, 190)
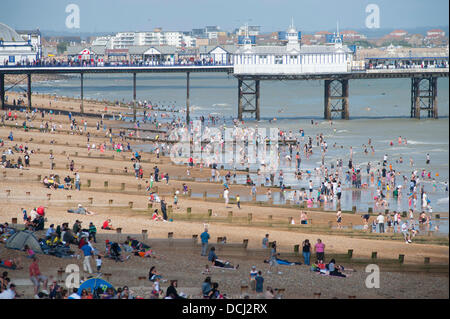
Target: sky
(184, 15)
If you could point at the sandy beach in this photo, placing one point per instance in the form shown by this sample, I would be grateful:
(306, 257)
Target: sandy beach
(22, 189)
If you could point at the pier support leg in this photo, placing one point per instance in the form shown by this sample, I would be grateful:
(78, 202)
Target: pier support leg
(81, 94)
(29, 91)
(327, 108)
(134, 97)
(188, 118)
(248, 97)
(345, 113)
(336, 99)
(257, 86)
(2, 90)
(424, 97)
(239, 99)
(435, 101)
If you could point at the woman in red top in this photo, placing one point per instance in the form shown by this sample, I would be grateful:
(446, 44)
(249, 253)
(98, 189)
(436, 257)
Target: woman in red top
(107, 225)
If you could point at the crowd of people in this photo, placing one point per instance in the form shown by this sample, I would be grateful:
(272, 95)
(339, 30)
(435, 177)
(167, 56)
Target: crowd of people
(325, 185)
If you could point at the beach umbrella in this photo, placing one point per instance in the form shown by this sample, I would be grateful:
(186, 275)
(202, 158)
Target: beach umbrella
(41, 210)
(94, 284)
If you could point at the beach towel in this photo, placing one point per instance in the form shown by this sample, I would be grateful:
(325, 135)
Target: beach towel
(288, 263)
(2, 265)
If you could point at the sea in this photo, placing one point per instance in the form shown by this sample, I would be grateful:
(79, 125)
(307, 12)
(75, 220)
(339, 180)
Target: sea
(379, 109)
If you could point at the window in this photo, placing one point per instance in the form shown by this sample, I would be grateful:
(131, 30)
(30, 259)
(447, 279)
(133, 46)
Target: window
(278, 59)
(293, 59)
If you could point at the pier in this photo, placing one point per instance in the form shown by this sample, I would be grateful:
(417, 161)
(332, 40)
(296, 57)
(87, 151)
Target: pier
(336, 85)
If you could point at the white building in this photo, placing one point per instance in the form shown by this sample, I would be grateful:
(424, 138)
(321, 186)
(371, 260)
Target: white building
(435, 33)
(292, 58)
(172, 38)
(14, 49)
(123, 40)
(188, 41)
(253, 30)
(217, 54)
(212, 32)
(104, 41)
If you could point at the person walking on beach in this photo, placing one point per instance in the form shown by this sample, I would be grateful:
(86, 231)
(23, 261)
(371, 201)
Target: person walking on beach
(225, 196)
(156, 170)
(87, 252)
(299, 160)
(273, 257)
(164, 209)
(36, 277)
(320, 250)
(339, 192)
(238, 201)
(204, 237)
(380, 222)
(339, 219)
(77, 181)
(265, 242)
(175, 199)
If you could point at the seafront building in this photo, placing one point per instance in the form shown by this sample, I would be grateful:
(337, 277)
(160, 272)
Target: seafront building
(19, 48)
(293, 58)
(157, 37)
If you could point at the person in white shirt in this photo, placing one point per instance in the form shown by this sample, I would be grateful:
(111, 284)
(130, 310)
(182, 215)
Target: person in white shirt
(98, 263)
(395, 222)
(50, 231)
(33, 214)
(380, 221)
(424, 200)
(225, 196)
(74, 295)
(405, 232)
(9, 293)
(253, 274)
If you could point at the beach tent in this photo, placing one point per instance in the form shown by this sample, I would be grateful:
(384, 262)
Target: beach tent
(93, 284)
(22, 238)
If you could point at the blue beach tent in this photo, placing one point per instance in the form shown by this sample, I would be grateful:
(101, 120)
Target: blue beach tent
(94, 284)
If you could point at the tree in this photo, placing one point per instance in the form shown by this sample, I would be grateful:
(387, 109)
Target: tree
(61, 47)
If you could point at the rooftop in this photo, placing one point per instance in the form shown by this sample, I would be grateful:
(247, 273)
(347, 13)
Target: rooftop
(8, 34)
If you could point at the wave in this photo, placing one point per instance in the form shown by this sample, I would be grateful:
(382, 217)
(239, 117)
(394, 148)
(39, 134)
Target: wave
(442, 200)
(423, 143)
(197, 107)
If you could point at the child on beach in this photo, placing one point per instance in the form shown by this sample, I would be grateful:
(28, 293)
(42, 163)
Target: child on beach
(175, 199)
(29, 251)
(206, 271)
(98, 262)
